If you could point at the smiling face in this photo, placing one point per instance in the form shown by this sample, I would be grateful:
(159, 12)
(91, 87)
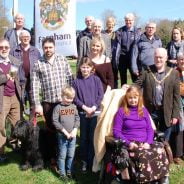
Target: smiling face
(96, 27)
(48, 49)
(25, 38)
(160, 58)
(132, 98)
(150, 29)
(86, 70)
(129, 22)
(88, 21)
(19, 21)
(110, 24)
(4, 49)
(96, 48)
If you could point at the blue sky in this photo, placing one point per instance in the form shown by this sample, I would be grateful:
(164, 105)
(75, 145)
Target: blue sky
(145, 9)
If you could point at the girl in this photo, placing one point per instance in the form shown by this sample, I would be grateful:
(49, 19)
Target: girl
(133, 126)
(89, 93)
(102, 63)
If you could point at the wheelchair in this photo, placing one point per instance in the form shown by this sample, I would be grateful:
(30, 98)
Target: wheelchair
(109, 173)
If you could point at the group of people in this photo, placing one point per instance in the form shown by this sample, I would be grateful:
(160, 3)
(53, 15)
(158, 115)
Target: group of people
(67, 103)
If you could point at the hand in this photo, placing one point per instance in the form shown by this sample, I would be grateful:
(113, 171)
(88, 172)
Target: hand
(89, 110)
(174, 121)
(174, 61)
(146, 146)
(9, 77)
(136, 73)
(39, 110)
(73, 133)
(133, 146)
(66, 133)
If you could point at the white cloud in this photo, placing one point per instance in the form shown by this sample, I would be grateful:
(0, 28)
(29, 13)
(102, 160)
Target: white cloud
(86, 1)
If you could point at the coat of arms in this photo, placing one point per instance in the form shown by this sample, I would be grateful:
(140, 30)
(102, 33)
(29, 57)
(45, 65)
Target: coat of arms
(53, 13)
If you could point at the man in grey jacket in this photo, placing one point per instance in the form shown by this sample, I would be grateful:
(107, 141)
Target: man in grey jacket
(143, 50)
(84, 45)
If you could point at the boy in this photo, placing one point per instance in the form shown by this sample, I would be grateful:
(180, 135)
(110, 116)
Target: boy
(66, 120)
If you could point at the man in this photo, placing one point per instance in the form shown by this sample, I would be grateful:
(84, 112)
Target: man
(10, 92)
(50, 73)
(87, 31)
(12, 35)
(143, 50)
(126, 37)
(161, 92)
(28, 55)
(84, 46)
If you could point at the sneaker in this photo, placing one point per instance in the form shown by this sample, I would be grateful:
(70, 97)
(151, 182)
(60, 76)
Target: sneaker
(84, 167)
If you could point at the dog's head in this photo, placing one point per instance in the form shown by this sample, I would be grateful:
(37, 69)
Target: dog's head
(22, 129)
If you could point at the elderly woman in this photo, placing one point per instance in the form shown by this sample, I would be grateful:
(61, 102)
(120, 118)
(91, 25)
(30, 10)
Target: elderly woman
(103, 68)
(175, 46)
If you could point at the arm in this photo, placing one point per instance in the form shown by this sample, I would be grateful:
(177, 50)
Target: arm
(149, 129)
(176, 100)
(134, 57)
(35, 85)
(118, 125)
(76, 125)
(69, 75)
(108, 51)
(110, 76)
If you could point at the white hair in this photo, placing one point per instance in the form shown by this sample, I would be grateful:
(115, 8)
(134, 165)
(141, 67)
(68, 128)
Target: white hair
(24, 32)
(89, 17)
(129, 16)
(152, 23)
(98, 22)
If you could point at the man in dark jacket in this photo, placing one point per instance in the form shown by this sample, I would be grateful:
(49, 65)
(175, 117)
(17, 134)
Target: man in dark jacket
(161, 92)
(10, 92)
(126, 37)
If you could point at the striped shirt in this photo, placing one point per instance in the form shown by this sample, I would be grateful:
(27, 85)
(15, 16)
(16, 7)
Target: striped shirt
(51, 78)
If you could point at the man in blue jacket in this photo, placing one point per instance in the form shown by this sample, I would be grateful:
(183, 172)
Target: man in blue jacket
(142, 54)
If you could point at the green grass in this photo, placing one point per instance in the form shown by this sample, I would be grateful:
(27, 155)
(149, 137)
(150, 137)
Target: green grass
(11, 174)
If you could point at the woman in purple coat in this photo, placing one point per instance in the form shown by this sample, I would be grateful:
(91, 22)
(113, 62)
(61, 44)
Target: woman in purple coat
(133, 126)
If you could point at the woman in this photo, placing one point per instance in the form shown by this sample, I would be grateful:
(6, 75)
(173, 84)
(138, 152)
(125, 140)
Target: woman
(102, 63)
(110, 24)
(175, 46)
(133, 126)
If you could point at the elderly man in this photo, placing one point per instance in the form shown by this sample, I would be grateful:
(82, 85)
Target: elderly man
(12, 35)
(126, 37)
(143, 50)
(10, 92)
(161, 92)
(27, 54)
(87, 31)
(84, 46)
(50, 73)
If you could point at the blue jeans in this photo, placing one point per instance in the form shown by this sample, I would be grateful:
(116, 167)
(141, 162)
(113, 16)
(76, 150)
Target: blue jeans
(66, 153)
(158, 118)
(87, 128)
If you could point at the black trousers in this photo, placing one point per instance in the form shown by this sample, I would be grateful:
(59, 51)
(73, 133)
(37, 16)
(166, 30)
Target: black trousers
(51, 131)
(124, 65)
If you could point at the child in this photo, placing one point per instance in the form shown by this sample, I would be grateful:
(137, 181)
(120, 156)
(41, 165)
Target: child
(66, 120)
(89, 93)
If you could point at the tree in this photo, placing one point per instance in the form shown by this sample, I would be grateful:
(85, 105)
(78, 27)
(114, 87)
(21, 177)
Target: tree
(5, 23)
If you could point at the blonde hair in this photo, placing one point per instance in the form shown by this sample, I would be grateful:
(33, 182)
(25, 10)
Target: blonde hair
(98, 40)
(68, 91)
(133, 91)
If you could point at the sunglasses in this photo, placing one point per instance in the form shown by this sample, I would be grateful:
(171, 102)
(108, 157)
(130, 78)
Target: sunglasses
(4, 47)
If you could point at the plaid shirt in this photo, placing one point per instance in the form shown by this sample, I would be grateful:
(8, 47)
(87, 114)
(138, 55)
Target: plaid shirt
(50, 78)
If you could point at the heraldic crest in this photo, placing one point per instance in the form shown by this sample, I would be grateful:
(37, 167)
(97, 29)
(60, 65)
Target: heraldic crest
(53, 13)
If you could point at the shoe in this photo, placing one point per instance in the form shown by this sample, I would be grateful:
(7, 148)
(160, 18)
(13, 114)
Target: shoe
(3, 158)
(63, 177)
(178, 161)
(84, 167)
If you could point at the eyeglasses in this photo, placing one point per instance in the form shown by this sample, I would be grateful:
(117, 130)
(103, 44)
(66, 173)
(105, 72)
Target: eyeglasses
(4, 47)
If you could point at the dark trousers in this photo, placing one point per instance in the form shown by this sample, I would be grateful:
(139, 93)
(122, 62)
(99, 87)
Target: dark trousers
(87, 128)
(51, 131)
(124, 65)
(176, 142)
(158, 118)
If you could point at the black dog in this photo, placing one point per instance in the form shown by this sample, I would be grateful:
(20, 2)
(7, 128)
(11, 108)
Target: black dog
(32, 144)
